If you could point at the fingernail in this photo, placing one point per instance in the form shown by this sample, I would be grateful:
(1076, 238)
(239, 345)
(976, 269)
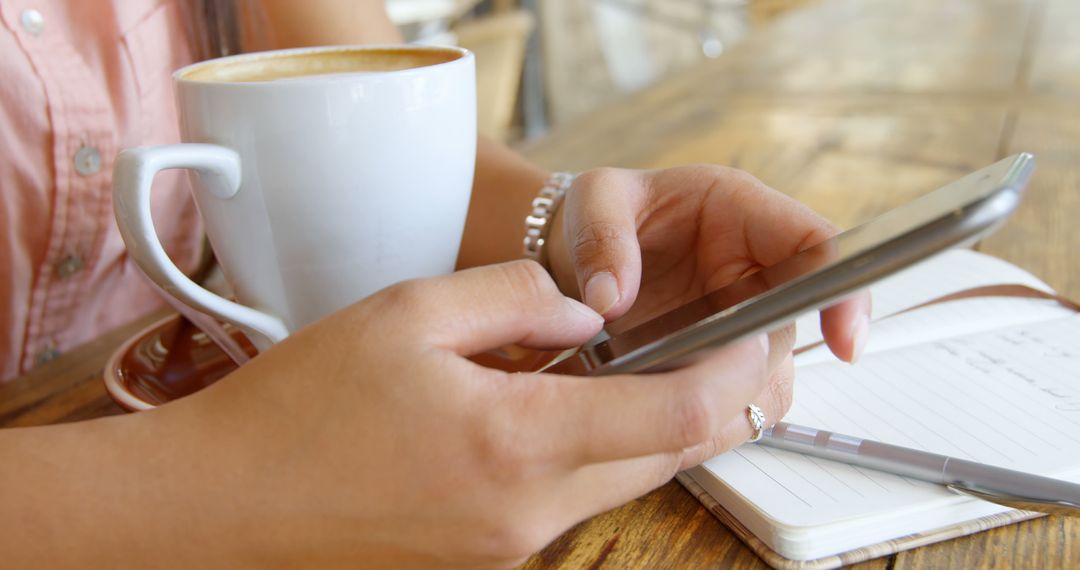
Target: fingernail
(602, 292)
(860, 333)
(584, 310)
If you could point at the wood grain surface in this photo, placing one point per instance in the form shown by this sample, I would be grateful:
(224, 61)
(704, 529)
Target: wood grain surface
(855, 106)
(852, 106)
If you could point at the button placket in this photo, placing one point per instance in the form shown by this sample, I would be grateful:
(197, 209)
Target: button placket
(80, 111)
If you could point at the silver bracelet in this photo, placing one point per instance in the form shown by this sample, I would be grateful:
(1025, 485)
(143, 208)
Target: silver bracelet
(544, 206)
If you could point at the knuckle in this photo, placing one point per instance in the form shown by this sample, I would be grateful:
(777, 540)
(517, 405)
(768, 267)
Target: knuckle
(702, 453)
(400, 304)
(781, 389)
(782, 340)
(744, 188)
(596, 178)
(743, 179)
(725, 172)
(724, 175)
(667, 465)
(504, 457)
(730, 439)
(741, 176)
(528, 281)
(692, 418)
(508, 539)
(762, 378)
(594, 237)
(507, 466)
(403, 295)
(510, 533)
(752, 368)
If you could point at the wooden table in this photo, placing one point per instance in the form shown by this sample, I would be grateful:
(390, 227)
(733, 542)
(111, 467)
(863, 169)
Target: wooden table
(852, 106)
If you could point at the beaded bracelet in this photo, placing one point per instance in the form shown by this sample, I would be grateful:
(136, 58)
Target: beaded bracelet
(544, 206)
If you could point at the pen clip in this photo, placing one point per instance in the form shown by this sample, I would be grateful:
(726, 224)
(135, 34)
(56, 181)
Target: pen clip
(1065, 508)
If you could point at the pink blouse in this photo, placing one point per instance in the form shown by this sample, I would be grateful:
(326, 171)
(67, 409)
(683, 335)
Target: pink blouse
(80, 81)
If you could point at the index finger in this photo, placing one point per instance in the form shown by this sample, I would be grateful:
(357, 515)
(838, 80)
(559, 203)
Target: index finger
(776, 227)
(846, 326)
(586, 420)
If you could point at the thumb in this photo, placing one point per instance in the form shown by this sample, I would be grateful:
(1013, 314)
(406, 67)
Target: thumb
(479, 309)
(601, 233)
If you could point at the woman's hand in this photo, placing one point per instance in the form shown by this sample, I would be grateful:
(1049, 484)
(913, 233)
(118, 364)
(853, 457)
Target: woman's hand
(370, 438)
(633, 243)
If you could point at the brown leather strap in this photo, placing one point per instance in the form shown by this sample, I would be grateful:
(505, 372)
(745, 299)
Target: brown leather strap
(1005, 290)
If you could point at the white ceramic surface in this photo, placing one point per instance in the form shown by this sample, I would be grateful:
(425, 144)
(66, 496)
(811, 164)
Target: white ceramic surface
(316, 191)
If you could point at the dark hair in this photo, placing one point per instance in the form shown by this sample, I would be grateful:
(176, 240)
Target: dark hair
(224, 27)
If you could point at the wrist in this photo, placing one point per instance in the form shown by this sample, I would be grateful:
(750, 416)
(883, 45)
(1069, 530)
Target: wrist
(543, 210)
(504, 186)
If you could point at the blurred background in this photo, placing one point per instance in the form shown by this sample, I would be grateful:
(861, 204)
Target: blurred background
(541, 63)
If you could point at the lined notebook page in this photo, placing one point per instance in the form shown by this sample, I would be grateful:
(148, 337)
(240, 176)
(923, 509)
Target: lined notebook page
(945, 273)
(947, 320)
(1009, 398)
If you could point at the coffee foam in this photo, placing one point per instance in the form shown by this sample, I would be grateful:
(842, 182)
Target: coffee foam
(302, 64)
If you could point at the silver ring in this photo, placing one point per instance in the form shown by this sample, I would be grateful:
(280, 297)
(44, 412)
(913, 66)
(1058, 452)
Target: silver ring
(757, 420)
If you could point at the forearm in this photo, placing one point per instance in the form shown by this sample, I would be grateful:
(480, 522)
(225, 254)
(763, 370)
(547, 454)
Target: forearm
(328, 22)
(503, 188)
(118, 492)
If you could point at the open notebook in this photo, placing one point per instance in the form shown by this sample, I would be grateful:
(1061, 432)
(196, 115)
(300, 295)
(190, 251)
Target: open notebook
(991, 379)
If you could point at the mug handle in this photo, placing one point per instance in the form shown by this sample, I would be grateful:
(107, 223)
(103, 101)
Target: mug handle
(133, 175)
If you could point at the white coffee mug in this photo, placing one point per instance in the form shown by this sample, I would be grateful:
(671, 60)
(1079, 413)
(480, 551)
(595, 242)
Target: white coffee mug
(322, 175)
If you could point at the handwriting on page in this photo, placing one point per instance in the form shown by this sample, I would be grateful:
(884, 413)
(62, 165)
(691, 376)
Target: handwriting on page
(1009, 398)
(1049, 352)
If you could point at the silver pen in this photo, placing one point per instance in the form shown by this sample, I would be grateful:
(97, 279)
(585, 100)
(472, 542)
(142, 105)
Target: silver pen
(1003, 486)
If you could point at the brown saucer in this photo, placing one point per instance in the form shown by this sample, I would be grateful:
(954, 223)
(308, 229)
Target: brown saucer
(172, 358)
(167, 360)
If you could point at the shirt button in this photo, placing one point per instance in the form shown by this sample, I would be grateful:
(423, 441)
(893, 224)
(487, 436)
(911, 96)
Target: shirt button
(87, 161)
(32, 21)
(47, 354)
(69, 266)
